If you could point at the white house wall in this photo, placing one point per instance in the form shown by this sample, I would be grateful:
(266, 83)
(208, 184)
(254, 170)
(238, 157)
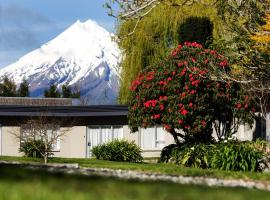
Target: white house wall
(73, 144)
(10, 142)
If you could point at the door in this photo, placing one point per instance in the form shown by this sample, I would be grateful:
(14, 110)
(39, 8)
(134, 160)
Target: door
(97, 135)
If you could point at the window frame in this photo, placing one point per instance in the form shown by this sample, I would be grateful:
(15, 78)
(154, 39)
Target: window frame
(156, 141)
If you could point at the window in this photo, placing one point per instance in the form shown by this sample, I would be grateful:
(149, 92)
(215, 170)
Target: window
(29, 132)
(103, 134)
(152, 138)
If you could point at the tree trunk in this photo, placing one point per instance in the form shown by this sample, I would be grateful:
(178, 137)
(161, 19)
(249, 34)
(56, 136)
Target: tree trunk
(175, 137)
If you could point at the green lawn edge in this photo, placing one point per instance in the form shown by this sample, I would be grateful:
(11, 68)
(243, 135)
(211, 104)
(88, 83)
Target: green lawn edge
(161, 168)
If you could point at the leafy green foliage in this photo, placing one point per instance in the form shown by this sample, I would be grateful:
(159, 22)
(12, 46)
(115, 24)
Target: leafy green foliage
(118, 150)
(197, 156)
(34, 148)
(229, 156)
(23, 90)
(196, 29)
(180, 94)
(236, 157)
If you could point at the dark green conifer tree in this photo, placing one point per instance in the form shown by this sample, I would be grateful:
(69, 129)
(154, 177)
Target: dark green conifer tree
(8, 88)
(52, 92)
(23, 90)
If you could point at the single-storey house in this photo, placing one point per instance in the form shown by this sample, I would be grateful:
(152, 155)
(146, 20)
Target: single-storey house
(88, 127)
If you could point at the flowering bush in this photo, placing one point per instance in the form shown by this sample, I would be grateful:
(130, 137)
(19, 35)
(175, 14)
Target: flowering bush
(180, 93)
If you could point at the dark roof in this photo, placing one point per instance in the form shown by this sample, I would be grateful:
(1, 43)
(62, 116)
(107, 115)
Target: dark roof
(63, 111)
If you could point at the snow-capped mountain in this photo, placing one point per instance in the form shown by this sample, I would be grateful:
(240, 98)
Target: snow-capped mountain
(84, 55)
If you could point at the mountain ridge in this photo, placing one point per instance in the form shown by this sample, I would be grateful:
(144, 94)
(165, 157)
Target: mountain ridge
(82, 56)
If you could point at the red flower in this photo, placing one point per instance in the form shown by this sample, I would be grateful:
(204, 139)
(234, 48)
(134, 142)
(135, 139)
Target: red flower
(169, 79)
(203, 122)
(157, 116)
(193, 92)
(223, 63)
(173, 73)
(183, 94)
(187, 44)
(193, 60)
(206, 61)
(167, 127)
(180, 121)
(238, 105)
(190, 104)
(161, 107)
(184, 112)
(149, 77)
(246, 106)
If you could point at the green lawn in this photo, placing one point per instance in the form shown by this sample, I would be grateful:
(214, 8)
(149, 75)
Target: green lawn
(153, 167)
(25, 184)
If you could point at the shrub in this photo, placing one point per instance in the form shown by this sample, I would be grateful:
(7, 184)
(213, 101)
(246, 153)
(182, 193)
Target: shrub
(118, 150)
(197, 156)
(33, 148)
(166, 153)
(180, 93)
(236, 156)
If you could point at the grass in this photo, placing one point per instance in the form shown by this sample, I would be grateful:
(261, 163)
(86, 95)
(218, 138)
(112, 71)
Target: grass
(152, 167)
(25, 184)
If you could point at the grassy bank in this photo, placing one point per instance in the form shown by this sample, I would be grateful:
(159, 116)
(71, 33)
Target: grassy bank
(152, 167)
(24, 184)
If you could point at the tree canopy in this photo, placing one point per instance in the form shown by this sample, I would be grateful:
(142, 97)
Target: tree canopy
(180, 93)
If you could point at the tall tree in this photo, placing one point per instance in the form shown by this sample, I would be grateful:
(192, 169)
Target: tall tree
(155, 36)
(52, 92)
(7, 87)
(23, 90)
(68, 93)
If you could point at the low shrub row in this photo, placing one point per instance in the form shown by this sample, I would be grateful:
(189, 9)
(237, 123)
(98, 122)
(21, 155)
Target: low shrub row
(118, 150)
(232, 155)
(34, 149)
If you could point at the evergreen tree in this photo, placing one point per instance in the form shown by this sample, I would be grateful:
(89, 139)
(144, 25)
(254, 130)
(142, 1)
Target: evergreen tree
(52, 92)
(196, 29)
(23, 90)
(68, 93)
(7, 88)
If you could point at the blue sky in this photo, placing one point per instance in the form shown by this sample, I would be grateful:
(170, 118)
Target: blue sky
(27, 24)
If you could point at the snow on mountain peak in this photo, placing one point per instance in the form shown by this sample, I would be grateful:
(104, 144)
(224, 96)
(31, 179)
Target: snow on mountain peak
(83, 55)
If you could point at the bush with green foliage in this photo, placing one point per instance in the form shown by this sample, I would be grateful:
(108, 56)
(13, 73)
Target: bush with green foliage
(197, 156)
(33, 148)
(118, 150)
(236, 156)
(232, 155)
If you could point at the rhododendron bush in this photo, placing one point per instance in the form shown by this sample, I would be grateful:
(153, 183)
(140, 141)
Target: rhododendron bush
(180, 93)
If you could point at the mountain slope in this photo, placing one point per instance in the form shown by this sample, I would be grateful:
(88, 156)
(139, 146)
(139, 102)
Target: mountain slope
(84, 56)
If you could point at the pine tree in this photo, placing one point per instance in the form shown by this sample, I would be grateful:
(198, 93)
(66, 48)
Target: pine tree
(23, 90)
(7, 87)
(52, 92)
(68, 93)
